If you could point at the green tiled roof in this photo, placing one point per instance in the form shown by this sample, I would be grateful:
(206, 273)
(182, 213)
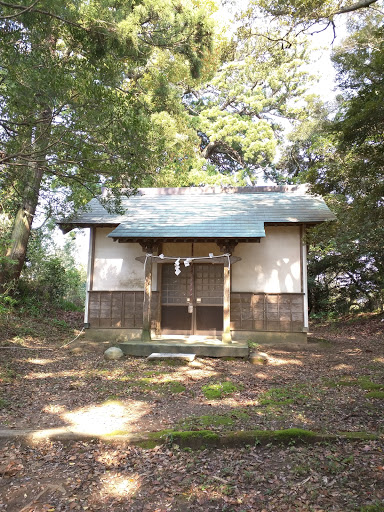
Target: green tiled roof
(205, 213)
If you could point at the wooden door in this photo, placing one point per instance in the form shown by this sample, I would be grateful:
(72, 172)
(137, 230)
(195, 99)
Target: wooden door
(208, 298)
(175, 292)
(192, 302)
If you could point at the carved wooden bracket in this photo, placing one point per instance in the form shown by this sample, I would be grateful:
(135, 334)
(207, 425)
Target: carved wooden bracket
(227, 246)
(149, 246)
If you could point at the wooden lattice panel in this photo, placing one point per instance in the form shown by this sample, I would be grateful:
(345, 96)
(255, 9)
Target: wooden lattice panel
(119, 309)
(267, 312)
(209, 283)
(175, 289)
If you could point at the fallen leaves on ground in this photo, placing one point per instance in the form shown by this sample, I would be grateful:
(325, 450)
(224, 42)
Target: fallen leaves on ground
(320, 386)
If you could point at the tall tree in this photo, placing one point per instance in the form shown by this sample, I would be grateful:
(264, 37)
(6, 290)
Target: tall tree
(240, 111)
(342, 156)
(73, 112)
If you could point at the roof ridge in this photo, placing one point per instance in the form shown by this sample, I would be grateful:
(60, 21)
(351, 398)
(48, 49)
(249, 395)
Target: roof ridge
(259, 189)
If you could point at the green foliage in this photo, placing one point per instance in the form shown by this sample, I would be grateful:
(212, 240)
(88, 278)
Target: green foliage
(50, 278)
(127, 58)
(342, 158)
(308, 16)
(7, 303)
(251, 86)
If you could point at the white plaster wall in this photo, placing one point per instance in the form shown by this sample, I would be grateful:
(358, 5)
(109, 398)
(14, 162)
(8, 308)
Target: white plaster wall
(115, 267)
(272, 266)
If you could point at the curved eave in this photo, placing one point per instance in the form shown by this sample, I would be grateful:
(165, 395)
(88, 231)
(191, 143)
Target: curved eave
(67, 227)
(155, 239)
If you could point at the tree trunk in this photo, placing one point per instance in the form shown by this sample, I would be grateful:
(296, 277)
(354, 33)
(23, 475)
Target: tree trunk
(15, 255)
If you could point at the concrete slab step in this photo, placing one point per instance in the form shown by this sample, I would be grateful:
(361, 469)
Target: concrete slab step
(207, 349)
(169, 355)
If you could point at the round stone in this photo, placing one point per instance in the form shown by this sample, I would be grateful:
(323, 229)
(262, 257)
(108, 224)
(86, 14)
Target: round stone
(113, 353)
(258, 358)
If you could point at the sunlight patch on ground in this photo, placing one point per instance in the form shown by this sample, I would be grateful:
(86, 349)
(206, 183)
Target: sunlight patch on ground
(45, 434)
(274, 361)
(194, 372)
(41, 362)
(54, 409)
(352, 351)
(50, 375)
(105, 418)
(40, 375)
(300, 418)
(342, 367)
(121, 486)
(261, 375)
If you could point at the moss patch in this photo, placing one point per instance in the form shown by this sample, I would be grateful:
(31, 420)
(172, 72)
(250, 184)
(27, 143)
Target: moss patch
(195, 438)
(166, 387)
(149, 440)
(363, 382)
(376, 507)
(375, 394)
(282, 396)
(7, 374)
(358, 436)
(198, 439)
(217, 390)
(288, 435)
(4, 403)
(155, 439)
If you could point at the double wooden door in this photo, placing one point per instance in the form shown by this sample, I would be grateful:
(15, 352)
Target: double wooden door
(192, 302)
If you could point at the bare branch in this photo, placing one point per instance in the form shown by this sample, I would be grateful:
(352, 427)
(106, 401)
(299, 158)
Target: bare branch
(24, 10)
(363, 4)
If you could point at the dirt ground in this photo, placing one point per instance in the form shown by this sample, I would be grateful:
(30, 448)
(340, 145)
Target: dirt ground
(333, 384)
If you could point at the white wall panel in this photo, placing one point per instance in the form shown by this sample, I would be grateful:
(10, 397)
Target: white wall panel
(272, 266)
(115, 265)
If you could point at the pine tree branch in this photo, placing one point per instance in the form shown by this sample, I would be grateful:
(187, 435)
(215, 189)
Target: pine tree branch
(363, 4)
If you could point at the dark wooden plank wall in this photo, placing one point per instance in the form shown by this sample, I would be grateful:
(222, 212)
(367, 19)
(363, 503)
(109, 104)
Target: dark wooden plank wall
(119, 309)
(249, 312)
(283, 312)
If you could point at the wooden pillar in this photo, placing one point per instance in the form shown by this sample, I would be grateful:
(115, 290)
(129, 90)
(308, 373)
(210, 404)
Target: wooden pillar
(90, 268)
(226, 336)
(227, 248)
(146, 332)
(148, 246)
(304, 277)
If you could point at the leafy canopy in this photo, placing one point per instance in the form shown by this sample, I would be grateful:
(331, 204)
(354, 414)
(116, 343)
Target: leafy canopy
(99, 77)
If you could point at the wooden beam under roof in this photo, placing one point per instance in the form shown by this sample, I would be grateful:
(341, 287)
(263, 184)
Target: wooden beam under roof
(213, 261)
(218, 241)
